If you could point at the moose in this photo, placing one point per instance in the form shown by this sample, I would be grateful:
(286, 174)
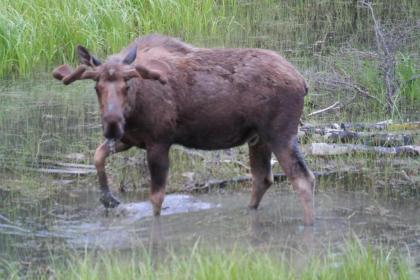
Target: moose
(160, 91)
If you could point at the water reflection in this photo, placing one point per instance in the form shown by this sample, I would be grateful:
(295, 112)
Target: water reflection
(219, 220)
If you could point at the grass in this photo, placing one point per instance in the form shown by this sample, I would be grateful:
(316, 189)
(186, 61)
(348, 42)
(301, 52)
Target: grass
(37, 123)
(37, 34)
(353, 261)
(406, 70)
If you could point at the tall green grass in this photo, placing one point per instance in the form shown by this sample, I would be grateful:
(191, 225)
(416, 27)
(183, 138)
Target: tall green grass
(38, 33)
(409, 76)
(35, 34)
(355, 261)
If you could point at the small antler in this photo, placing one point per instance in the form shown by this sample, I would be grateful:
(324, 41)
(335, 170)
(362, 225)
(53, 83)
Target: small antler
(151, 74)
(64, 73)
(61, 71)
(129, 74)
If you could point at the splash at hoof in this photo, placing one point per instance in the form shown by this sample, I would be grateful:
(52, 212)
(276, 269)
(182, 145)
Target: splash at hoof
(109, 201)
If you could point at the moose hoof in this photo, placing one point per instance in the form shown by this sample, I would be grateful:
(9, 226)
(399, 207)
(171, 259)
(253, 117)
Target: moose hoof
(109, 201)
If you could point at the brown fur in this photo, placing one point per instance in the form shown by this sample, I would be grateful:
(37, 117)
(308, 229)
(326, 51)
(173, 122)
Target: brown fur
(204, 99)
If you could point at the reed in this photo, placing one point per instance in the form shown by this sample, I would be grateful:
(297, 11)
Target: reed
(36, 34)
(354, 261)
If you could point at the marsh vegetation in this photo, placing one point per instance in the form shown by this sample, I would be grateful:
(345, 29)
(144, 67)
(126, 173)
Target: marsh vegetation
(51, 223)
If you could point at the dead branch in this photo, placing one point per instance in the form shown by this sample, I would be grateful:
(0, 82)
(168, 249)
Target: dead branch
(278, 177)
(3, 219)
(323, 129)
(58, 167)
(324, 110)
(334, 81)
(369, 139)
(324, 149)
(236, 162)
(388, 42)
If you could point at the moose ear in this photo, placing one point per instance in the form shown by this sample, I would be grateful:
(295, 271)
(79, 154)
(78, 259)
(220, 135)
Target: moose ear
(86, 58)
(131, 56)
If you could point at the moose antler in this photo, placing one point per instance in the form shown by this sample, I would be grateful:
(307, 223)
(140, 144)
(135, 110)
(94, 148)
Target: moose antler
(64, 73)
(131, 73)
(151, 74)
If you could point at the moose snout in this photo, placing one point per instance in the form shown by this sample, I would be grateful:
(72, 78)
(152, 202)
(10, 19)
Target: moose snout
(113, 126)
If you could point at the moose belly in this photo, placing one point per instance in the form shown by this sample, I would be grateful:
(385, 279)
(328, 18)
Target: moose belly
(214, 136)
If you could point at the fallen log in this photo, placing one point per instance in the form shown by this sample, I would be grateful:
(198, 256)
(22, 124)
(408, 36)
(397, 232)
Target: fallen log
(325, 149)
(384, 125)
(58, 167)
(64, 171)
(278, 177)
(3, 219)
(336, 133)
(369, 139)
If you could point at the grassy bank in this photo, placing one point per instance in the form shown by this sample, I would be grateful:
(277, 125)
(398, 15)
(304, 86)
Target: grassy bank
(36, 34)
(354, 261)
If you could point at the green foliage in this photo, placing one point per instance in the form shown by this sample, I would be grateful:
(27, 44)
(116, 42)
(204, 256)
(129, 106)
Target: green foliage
(355, 261)
(409, 77)
(43, 32)
(37, 123)
(37, 34)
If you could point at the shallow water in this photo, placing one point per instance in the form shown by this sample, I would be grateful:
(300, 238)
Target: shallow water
(217, 219)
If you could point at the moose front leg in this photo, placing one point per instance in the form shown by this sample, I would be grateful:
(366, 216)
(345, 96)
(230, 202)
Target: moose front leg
(102, 152)
(158, 161)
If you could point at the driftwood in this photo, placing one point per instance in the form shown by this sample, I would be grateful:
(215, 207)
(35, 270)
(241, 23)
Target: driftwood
(325, 149)
(58, 167)
(65, 171)
(384, 125)
(369, 139)
(278, 177)
(3, 219)
(365, 134)
(333, 106)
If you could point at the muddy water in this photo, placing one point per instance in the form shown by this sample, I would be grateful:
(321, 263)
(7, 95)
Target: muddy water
(75, 220)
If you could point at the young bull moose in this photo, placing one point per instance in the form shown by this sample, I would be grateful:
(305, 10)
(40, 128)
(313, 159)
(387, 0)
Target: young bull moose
(160, 91)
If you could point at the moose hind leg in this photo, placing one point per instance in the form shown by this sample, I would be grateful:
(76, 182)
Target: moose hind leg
(101, 153)
(262, 177)
(158, 161)
(301, 178)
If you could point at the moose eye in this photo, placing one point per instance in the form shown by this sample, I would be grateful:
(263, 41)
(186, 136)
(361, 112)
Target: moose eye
(126, 89)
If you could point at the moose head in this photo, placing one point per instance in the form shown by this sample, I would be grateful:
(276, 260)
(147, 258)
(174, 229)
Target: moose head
(112, 84)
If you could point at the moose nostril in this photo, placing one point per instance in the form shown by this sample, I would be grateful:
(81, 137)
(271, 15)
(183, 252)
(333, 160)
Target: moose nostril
(113, 130)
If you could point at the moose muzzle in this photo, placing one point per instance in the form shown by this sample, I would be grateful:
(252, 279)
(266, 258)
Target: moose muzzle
(113, 126)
